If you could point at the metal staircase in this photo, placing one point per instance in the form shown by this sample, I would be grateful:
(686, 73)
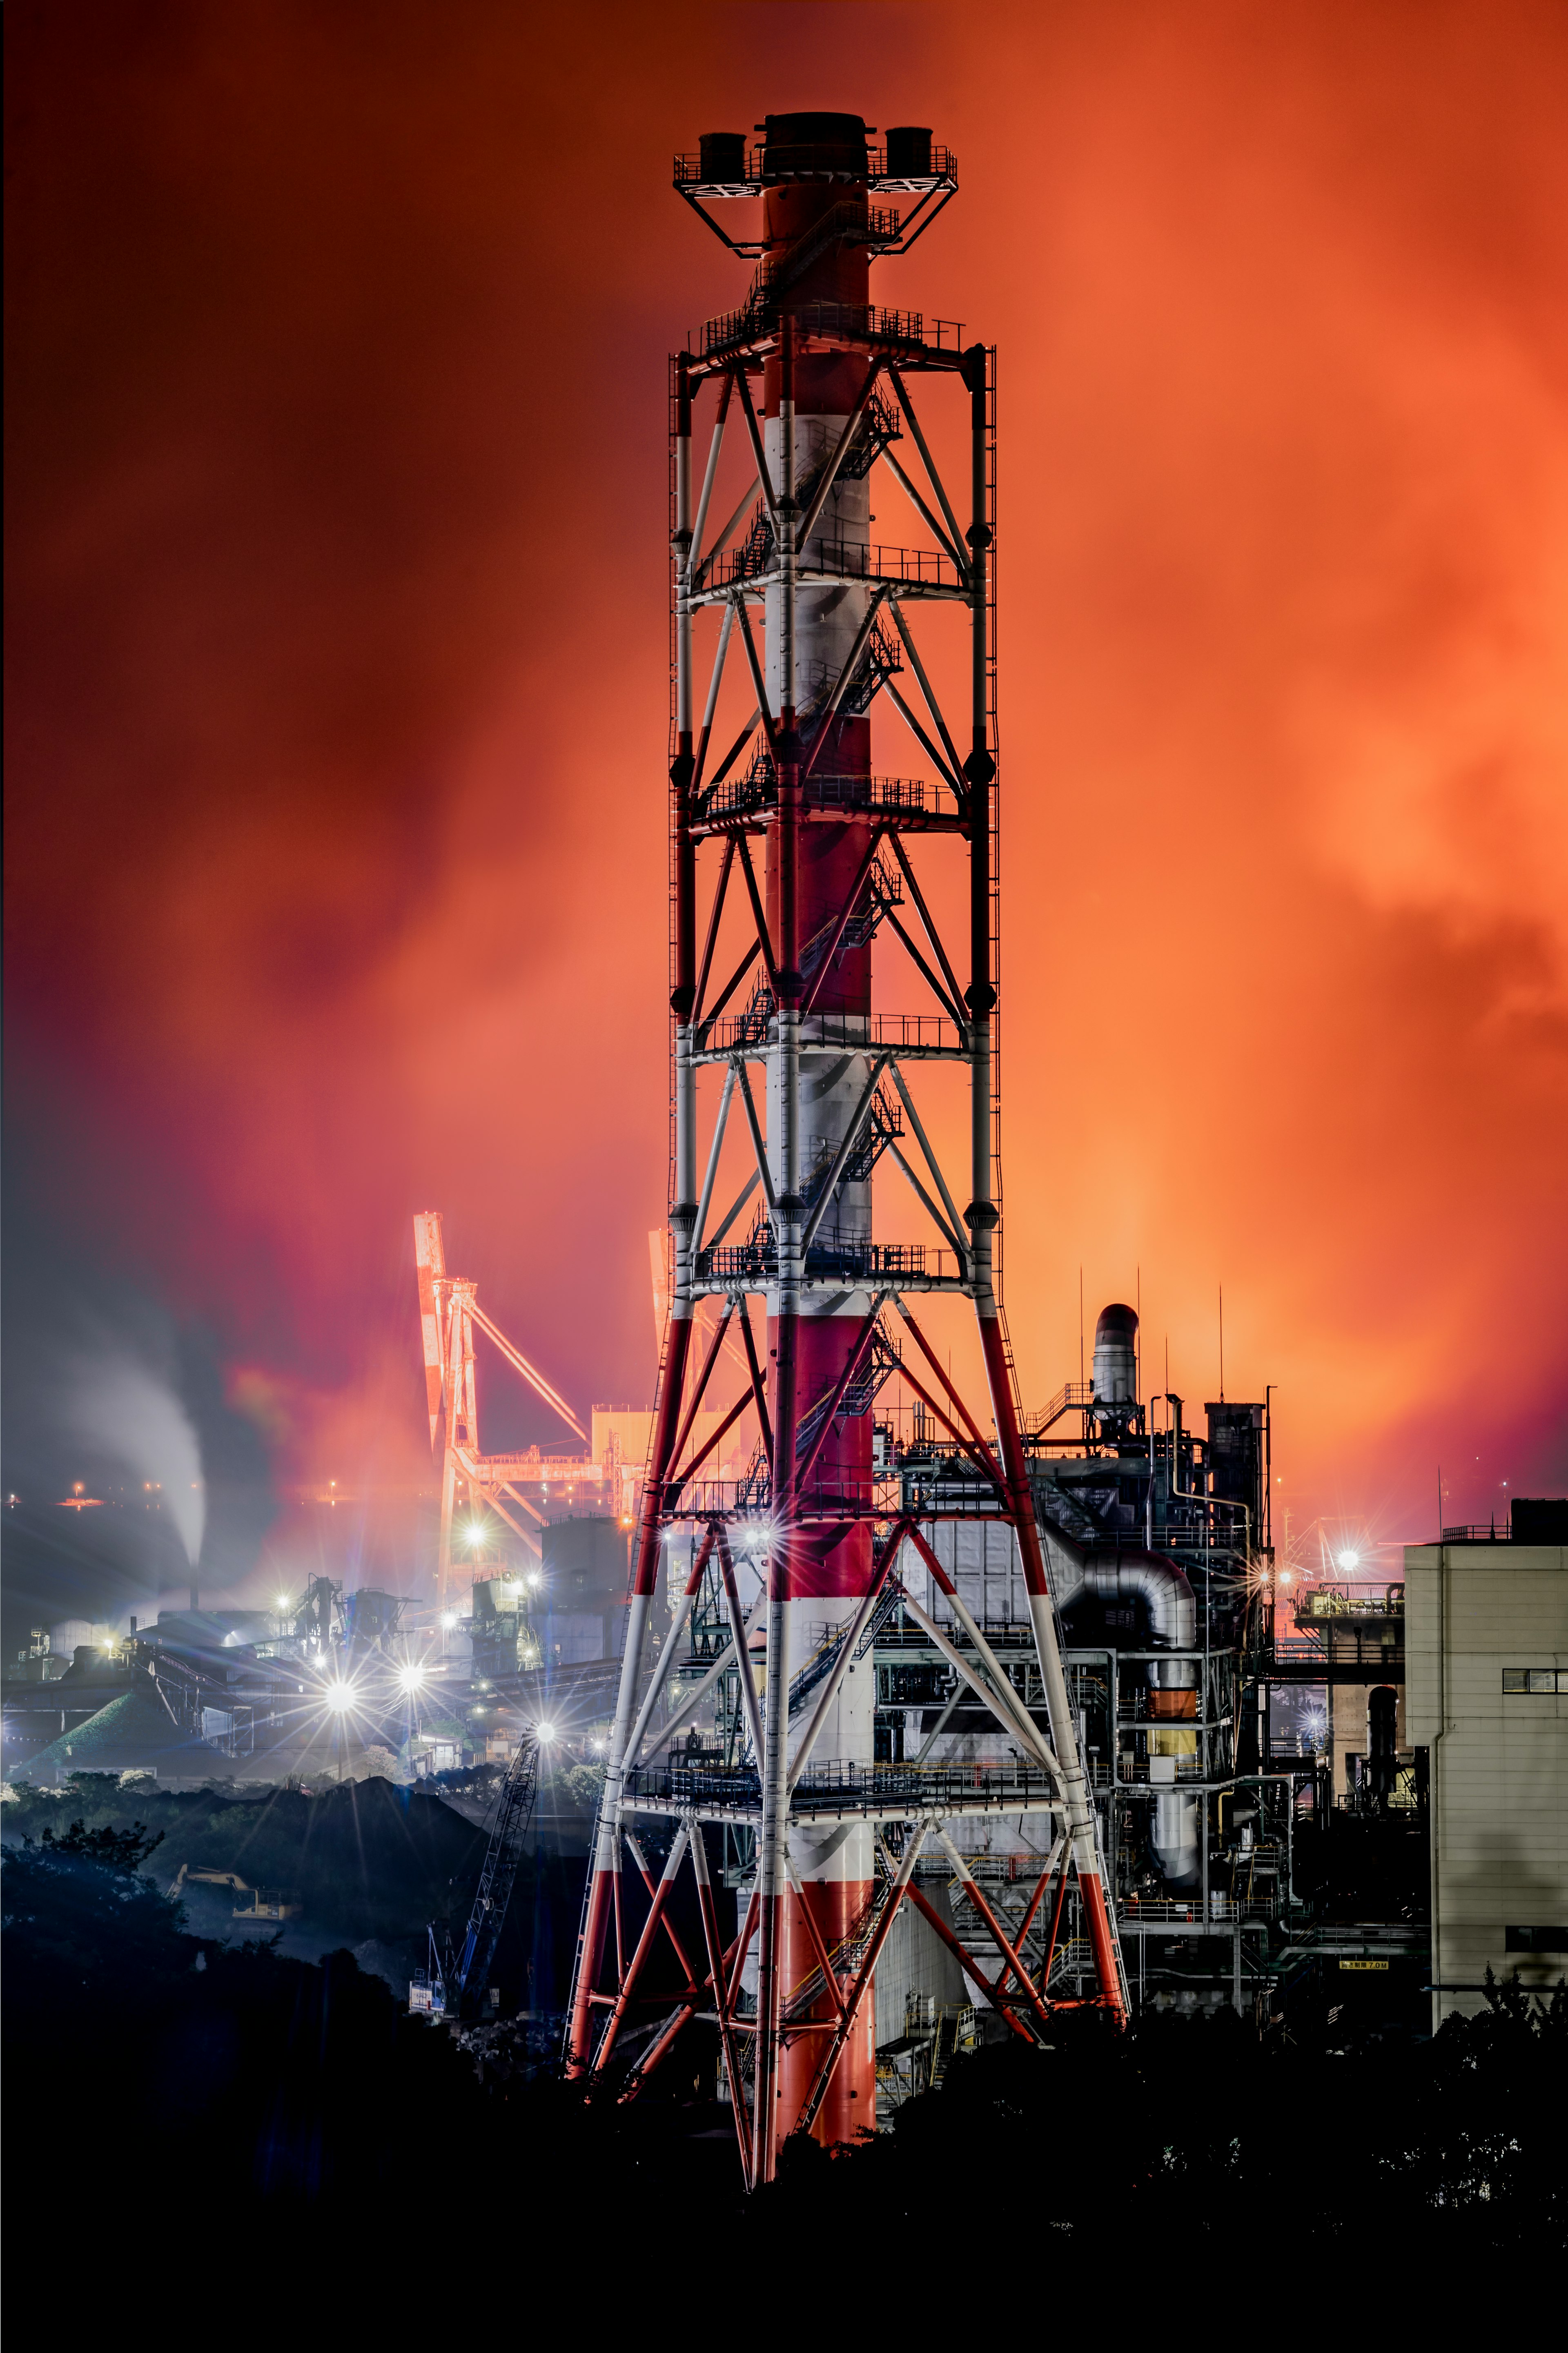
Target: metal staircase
(820, 1663)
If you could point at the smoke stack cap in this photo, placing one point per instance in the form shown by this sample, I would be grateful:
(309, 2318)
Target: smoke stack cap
(815, 147)
(1116, 1355)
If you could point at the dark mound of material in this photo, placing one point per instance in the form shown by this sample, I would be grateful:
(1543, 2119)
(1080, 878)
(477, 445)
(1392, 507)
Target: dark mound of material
(366, 1858)
(131, 1734)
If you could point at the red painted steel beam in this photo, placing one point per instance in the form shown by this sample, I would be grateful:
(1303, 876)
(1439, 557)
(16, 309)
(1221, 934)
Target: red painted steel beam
(661, 2048)
(971, 1967)
(999, 1937)
(698, 1460)
(720, 889)
(717, 1977)
(850, 2006)
(710, 1360)
(929, 1352)
(758, 1387)
(749, 874)
(644, 1946)
(959, 1437)
(1055, 1918)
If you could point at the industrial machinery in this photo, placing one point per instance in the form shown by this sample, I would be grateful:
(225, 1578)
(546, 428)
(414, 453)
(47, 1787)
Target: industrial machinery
(452, 1981)
(427, 1987)
(792, 859)
(264, 1904)
(449, 1312)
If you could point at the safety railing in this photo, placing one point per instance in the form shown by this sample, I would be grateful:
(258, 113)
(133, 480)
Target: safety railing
(1325, 1601)
(740, 795)
(830, 1260)
(843, 559)
(847, 1784)
(754, 177)
(930, 1034)
(859, 323)
(1188, 1911)
(1067, 1399)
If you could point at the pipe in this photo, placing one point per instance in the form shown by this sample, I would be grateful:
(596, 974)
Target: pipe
(1166, 1596)
(1168, 1602)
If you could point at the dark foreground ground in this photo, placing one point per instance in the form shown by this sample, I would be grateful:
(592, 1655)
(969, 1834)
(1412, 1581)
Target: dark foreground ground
(370, 1866)
(217, 2106)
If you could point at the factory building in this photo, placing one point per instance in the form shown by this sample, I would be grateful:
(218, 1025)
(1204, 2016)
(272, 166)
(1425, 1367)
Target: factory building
(1487, 1620)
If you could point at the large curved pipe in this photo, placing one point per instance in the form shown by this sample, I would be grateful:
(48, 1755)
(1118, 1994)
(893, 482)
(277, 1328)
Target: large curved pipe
(1166, 1596)
(1168, 1600)
(1150, 1577)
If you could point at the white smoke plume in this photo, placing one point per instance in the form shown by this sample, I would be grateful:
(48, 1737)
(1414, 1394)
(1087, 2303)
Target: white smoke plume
(123, 1410)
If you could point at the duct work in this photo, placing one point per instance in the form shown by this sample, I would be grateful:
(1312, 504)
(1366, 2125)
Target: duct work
(1163, 1592)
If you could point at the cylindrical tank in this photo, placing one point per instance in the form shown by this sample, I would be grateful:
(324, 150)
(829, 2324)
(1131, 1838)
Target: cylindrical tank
(1116, 1356)
(909, 152)
(813, 164)
(723, 156)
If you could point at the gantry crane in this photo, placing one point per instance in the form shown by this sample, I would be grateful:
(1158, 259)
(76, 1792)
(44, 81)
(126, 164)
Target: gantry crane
(449, 1312)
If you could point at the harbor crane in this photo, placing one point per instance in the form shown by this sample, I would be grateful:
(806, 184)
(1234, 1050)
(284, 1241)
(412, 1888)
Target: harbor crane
(449, 1312)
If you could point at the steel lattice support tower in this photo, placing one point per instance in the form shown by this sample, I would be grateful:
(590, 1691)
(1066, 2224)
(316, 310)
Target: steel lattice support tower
(818, 856)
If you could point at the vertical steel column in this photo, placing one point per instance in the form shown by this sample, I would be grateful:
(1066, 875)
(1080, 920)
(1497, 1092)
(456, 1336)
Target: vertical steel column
(980, 771)
(603, 1893)
(773, 1840)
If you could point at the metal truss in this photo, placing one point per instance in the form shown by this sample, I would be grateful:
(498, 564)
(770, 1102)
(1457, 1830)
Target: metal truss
(449, 1312)
(754, 817)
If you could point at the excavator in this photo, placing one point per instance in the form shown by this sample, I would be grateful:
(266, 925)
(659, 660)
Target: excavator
(262, 1906)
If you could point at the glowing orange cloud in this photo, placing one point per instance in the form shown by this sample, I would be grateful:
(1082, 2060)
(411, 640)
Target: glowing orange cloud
(338, 701)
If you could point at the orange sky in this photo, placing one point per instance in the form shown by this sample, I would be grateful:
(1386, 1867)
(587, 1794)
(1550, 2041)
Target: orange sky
(336, 679)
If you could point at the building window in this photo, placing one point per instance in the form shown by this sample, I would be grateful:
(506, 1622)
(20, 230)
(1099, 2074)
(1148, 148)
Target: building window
(1534, 1679)
(1535, 1940)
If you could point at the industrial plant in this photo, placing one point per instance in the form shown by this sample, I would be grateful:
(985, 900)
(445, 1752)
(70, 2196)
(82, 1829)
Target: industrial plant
(908, 1712)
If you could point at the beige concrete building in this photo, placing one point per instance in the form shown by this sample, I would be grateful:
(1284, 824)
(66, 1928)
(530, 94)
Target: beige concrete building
(1487, 1697)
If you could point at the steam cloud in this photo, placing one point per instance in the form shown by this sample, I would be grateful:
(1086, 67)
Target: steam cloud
(124, 1410)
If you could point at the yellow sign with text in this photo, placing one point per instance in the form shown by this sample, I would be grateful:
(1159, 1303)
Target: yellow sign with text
(1363, 1965)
